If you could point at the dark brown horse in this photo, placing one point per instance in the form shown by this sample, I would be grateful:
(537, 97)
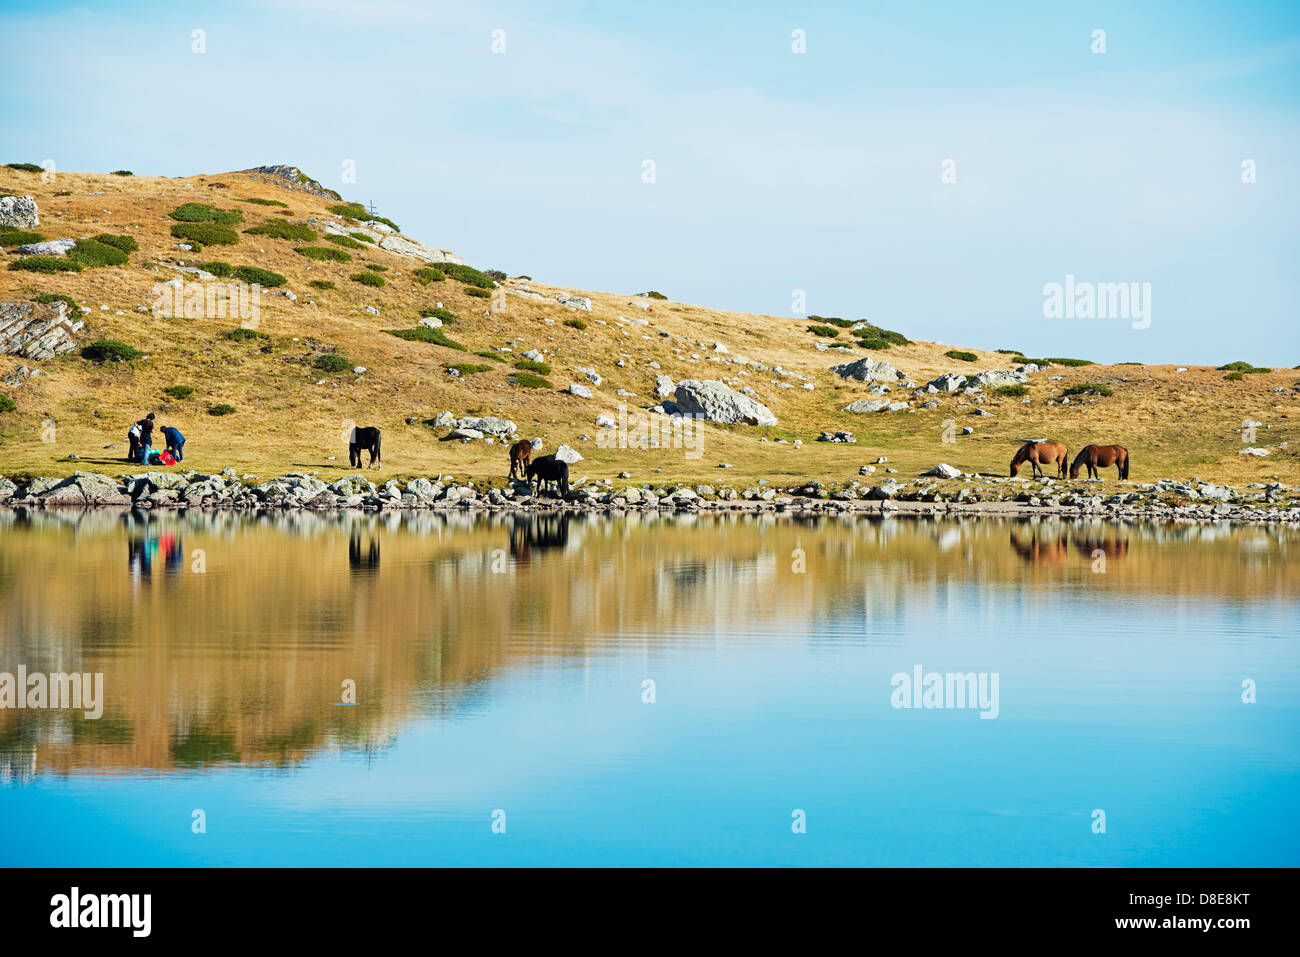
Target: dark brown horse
(1095, 456)
(1039, 454)
(520, 453)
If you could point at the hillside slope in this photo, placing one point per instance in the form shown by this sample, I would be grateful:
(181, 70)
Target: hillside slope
(289, 416)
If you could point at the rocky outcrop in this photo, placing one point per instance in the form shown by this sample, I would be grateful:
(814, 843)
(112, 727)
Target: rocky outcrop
(868, 370)
(36, 330)
(717, 402)
(291, 177)
(995, 378)
(19, 212)
(50, 247)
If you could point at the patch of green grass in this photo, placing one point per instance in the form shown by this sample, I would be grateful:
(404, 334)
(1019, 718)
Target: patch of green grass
(70, 305)
(203, 213)
(90, 253)
(209, 234)
(125, 243)
(110, 350)
(324, 253)
(425, 334)
(368, 279)
(477, 293)
(826, 332)
(1234, 376)
(490, 355)
(346, 241)
(45, 264)
(437, 312)
(1245, 367)
(321, 284)
(528, 380)
(264, 202)
(833, 321)
(375, 267)
(1011, 352)
(363, 237)
(575, 324)
(468, 275)
(178, 391)
(219, 269)
(18, 237)
(870, 331)
(1089, 388)
(332, 362)
(873, 342)
(529, 365)
(496, 274)
(469, 368)
(6, 404)
(252, 274)
(244, 335)
(1010, 391)
(122, 172)
(654, 294)
(25, 167)
(1070, 362)
(221, 408)
(427, 275)
(962, 355)
(359, 212)
(279, 229)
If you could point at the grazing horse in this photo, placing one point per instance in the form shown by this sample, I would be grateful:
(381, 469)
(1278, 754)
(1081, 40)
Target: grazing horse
(549, 469)
(364, 438)
(1039, 454)
(520, 453)
(1094, 456)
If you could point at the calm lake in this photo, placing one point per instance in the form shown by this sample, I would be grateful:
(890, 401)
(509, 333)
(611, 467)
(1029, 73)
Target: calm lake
(427, 689)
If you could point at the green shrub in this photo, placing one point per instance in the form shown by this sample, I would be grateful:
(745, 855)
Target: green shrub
(90, 252)
(870, 331)
(363, 237)
(1245, 367)
(110, 350)
(575, 324)
(873, 342)
(833, 321)
(46, 264)
(6, 404)
(528, 380)
(26, 167)
(207, 233)
(244, 335)
(425, 334)
(529, 365)
(122, 172)
(490, 355)
(265, 277)
(368, 279)
(70, 305)
(495, 274)
(1071, 362)
(959, 354)
(1234, 376)
(1010, 391)
(324, 253)
(221, 408)
(825, 332)
(125, 243)
(1089, 388)
(654, 294)
(332, 362)
(178, 391)
(18, 237)
(347, 241)
(203, 213)
(477, 293)
(1011, 352)
(374, 267)
(279, 229)
(219, 269)
(468, 275)
(436, 312)
(357, 211)
(264, 202)
(468, 368)
(427, 275)
(321, 284)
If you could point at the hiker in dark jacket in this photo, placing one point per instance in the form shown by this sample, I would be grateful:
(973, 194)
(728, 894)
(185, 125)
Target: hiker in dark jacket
(175, 442)
(146, 437)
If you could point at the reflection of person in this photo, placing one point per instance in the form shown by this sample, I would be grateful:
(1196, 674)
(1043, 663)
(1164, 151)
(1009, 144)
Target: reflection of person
(175, 442)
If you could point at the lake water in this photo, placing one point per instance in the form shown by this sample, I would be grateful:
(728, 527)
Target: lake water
(649, 690)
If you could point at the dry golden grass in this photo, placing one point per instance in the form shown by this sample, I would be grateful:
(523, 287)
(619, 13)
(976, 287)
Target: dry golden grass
(1175, 424)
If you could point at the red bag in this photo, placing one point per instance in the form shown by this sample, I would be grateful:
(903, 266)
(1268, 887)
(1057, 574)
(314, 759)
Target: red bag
(166, 458)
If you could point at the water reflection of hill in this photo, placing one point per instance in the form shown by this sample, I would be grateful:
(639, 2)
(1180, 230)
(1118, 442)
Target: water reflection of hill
(227, 639)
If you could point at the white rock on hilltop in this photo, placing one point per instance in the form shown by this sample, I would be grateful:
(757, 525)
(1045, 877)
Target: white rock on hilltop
(19, 212)
(867, 369)
(717, 402)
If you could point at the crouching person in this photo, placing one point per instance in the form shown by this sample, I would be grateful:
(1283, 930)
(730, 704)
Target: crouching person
(175, 442)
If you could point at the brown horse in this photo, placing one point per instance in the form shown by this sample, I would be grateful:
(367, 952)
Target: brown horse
(1094, 456)
(520, 453)
(1039, 454)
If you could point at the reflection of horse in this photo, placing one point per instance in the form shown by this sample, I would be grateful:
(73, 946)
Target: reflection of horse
(538, 531)
(356, 561)
(520, 453)
(1094, 456)
(1039, 454)
(1041, 550)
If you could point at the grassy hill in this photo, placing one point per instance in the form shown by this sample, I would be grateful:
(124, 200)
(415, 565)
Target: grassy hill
(288, 414)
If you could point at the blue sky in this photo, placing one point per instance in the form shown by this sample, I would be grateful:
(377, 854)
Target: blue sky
(774, 171)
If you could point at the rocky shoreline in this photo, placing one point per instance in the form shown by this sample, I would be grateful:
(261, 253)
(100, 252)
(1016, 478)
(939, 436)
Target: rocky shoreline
(1193, 500)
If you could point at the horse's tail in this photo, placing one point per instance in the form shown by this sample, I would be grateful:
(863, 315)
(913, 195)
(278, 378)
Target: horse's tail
(1123, 469)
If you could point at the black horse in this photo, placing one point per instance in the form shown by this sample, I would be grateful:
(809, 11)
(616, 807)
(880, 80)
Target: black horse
(549, 469)
(364, 438)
